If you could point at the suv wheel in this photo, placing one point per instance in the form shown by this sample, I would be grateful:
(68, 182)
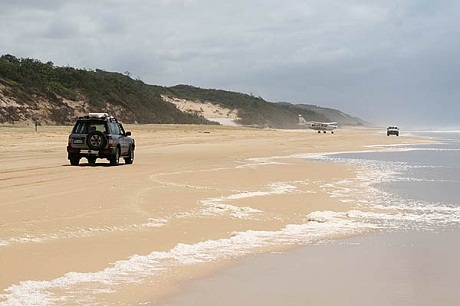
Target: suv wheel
(129, 160)
(115, 159)
(96, 140)
(74, 161)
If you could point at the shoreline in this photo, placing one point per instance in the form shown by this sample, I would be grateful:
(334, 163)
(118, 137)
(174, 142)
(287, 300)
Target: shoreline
(188, 186)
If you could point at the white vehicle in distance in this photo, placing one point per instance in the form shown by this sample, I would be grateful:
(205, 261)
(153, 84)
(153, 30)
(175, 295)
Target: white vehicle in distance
(392, 130)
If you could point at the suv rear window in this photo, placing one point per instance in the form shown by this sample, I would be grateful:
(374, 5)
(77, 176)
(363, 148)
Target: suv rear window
(85, 127)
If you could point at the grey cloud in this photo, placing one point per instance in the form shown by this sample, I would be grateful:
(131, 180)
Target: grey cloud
(15, 6)
(61, 29)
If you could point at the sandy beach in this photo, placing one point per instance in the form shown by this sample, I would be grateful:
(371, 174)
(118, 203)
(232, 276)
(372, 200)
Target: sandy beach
(135, 233)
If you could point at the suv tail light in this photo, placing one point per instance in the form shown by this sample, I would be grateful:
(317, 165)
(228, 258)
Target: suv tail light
(110, 142)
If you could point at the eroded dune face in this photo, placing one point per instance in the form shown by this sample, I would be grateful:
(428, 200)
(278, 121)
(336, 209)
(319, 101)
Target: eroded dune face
(212, 112)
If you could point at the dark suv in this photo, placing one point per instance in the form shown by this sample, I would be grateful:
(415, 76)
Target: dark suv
(99, 135)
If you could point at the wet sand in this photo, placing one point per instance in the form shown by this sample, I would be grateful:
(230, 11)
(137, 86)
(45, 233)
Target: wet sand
(188, 185)
(400, 268)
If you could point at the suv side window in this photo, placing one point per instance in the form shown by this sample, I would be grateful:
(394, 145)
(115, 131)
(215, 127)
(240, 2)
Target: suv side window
(122, 130)
(114, 128)
(80, 128)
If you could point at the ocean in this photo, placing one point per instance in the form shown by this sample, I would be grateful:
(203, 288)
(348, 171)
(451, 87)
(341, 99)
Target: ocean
(421, 182)
(413, 260)
(409, 198)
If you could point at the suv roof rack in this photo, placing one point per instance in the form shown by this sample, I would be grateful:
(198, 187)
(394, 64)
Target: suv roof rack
(98, 115)
(102, 116)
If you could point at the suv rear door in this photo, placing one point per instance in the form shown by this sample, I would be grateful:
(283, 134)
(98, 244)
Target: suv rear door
(81, 130)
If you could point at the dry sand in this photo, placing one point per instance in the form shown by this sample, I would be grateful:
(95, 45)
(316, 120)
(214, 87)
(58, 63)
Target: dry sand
(56, 218)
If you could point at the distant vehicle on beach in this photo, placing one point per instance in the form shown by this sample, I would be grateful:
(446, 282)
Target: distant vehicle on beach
(392, 130)
(99, 135)
(318, 126)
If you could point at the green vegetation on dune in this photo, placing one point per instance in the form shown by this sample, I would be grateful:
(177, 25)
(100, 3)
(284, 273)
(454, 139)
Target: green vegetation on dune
(30, 82)
(27, 80)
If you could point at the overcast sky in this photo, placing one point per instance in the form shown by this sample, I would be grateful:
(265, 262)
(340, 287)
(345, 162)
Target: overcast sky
(387, 61)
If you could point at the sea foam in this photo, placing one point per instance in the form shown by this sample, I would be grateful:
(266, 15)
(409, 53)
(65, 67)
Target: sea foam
(84, 287)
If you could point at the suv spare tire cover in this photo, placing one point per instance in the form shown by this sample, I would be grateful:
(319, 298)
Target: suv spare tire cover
(96, 140)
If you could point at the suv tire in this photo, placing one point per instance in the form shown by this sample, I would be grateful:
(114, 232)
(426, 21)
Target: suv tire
(130, 158)
(74, 161)
(96, 140)
(115, 159)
